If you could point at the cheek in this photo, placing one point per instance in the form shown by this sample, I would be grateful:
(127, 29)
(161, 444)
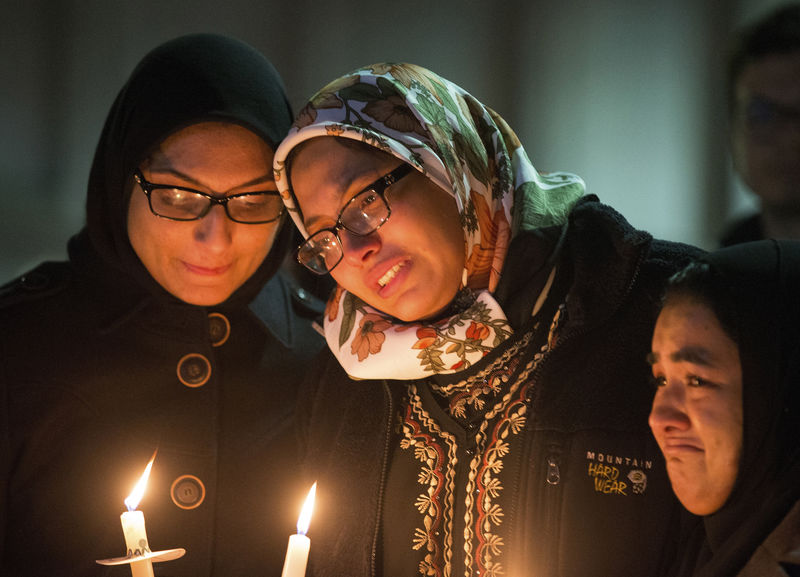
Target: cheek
(141, 227)
(442, 223)
(721, 431)
(340, 275)
(455, 241)
(731, 432)
(256, 241)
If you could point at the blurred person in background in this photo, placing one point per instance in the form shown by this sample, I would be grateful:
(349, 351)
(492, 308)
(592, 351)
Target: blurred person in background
(764, 116)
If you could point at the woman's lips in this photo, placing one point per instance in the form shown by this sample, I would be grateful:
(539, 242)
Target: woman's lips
(389, 274)
(206, 271)
(388, 279)
(681, 446)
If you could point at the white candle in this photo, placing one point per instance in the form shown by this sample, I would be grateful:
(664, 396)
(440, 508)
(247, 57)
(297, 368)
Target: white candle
(133, 527)
(135, 534)
(136, 542)
(142, 568)
(139, 556)
(297, 552)
(296, 556)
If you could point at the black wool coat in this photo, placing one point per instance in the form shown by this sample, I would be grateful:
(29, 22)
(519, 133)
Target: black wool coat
(96, 375)
(100, 365)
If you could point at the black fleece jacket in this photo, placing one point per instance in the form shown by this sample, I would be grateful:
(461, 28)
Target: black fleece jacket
(592, 397)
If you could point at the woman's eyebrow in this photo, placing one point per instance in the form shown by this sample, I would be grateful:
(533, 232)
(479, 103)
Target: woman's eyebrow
(166, 169)
(342, 182)
(689, 354)
(693, 354)
(267, 177)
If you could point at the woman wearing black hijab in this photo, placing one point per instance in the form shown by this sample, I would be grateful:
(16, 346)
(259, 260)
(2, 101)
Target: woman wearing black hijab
(162, 332)
(726, 358)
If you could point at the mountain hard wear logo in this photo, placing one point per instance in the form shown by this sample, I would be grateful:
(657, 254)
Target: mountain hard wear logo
(617, 475)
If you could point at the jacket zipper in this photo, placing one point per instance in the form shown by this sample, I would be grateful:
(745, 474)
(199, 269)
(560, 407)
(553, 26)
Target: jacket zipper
(384, 467)
(553, 472)
(552, 479)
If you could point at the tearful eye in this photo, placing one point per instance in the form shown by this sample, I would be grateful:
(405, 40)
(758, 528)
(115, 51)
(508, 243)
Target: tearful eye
(693, 381)
(367, 200)
(659, 381)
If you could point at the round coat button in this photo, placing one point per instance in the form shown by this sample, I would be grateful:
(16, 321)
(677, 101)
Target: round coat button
(219, 329)
(194, 370)
(187, 492)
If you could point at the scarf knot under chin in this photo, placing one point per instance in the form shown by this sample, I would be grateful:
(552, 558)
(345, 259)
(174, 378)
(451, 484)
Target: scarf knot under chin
(357, 335)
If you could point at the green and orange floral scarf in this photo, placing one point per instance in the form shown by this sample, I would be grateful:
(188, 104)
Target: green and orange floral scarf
(469, 151)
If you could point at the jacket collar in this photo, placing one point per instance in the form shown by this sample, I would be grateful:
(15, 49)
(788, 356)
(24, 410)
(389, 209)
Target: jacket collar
(605, 254)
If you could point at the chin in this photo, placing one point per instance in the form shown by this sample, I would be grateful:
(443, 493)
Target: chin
(202, 297)
(402, 315)
(699, 508)
(701, 504)
(418, 314)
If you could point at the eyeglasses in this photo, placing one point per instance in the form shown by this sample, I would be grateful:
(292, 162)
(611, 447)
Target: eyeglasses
(766, 120)
(363, 214)
(181, 203)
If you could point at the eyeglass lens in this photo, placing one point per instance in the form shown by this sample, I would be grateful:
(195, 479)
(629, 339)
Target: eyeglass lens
(182, 204)
(363, 215)
(321, 252)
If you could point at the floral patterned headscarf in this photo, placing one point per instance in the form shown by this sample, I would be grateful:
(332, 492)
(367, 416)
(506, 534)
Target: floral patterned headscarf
(469, 151)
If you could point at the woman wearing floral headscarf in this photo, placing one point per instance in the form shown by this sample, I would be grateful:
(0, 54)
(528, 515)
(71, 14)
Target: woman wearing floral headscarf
(495, 325)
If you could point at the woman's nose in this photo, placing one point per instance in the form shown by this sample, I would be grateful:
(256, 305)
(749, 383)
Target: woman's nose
(669, 410)
(356, 249)
(214, 229)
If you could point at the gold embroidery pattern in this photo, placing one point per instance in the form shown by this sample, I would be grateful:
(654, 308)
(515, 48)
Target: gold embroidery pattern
(437, 474)
(498, 366)
(437, 451)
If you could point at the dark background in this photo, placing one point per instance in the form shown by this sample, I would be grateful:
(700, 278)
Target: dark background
(626, 93)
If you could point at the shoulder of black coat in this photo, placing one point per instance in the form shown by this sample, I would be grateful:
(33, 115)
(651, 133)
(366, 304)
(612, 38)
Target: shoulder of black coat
(43, 281)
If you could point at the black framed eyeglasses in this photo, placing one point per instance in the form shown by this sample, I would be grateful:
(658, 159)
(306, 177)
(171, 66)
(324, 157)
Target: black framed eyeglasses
(182, 203)
(363, 214)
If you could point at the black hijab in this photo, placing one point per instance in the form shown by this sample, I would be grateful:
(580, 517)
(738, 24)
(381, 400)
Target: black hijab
(762, 279)
(188, 80)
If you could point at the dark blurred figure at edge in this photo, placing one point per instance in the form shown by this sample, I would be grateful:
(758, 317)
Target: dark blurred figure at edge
(764, 115)
(168, 329)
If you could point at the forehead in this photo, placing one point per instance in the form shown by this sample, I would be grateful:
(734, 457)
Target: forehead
(206, 142)
(323, 170)
(687, 324)
(775, 76)
(338, 158)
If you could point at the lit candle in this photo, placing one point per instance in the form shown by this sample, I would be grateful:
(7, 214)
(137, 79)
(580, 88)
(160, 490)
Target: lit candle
(299, 544)
(139, 556)
(133, 527)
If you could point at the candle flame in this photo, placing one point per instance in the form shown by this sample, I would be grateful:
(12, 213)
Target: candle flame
(305, 513)
(132, 501)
